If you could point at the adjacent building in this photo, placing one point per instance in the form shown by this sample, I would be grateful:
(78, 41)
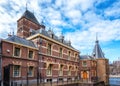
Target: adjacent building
(95, 67)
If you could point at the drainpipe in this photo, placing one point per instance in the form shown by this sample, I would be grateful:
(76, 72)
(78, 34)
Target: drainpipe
(40, 59)
(39, 62)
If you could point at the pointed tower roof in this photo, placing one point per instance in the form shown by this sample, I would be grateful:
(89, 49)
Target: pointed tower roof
(29, 15)
(97, 51)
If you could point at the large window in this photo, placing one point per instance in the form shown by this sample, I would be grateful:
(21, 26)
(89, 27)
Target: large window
(69, 70)
(17, 51)
(61, 70)
(49, 69)
(76, 57)
(76, 71)
(16, 70)
(49, 49)
(69, 53)
(60, 52)
(30, 71)
(30, 54)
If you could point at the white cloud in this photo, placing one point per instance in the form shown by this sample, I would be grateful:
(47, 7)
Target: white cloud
(74, 16)
(113, 10)
(84, 39)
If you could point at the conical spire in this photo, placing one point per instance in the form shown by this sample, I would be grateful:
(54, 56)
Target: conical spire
(97, 51)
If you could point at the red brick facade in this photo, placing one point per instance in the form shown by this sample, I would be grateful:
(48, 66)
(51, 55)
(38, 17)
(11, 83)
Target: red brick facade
(51, 59)
(8, 59)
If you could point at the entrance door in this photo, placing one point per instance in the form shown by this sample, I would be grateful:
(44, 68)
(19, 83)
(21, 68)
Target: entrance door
(6, 77)
(85, 75)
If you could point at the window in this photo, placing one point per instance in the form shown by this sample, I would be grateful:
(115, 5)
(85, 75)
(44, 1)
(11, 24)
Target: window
(76, 71)
(49, 69)
(84, 63)
(16, 71)
(17, 51)
(30, 71)
(60, 52)
(69, 71)
(69, 55)
(52, 35)
(61, 70)
(49, 80)
(30, 54)
(49, 49)
(75, 57)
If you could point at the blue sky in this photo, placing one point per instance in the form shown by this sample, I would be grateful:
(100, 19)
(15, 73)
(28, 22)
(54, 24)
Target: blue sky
(78, 20)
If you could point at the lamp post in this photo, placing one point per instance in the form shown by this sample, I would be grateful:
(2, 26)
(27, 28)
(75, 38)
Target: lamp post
(27, 79)
(38, 76)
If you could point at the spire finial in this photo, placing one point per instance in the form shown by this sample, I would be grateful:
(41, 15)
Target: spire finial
(13, 32)
(96, 37)
(26, 5)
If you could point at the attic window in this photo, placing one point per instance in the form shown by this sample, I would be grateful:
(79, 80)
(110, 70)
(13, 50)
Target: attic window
(20, 29)
(52, 35)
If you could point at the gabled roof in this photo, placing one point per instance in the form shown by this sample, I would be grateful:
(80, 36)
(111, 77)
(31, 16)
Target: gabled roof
(97, 51)
(20, 40)
(29, 15)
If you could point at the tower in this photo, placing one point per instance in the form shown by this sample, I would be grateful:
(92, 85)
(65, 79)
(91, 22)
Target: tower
(102, 63)
(27, 23)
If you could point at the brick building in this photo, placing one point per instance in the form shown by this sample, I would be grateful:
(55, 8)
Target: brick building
(95, 67)
(36, 56)
(88, 66)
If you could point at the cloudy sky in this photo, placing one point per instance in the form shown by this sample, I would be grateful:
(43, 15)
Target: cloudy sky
(78, 20)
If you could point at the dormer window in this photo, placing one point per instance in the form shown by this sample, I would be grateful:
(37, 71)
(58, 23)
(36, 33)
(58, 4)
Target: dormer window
(51, 33)
(52, 36)
(61, 38)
